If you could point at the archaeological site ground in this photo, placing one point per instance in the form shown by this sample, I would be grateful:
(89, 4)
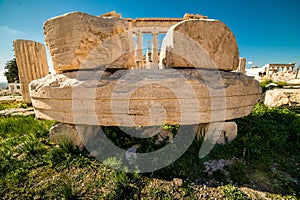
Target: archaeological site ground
(177, 120)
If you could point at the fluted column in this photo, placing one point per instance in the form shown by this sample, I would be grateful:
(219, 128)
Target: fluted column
(139, 49)
(32, 63)
(155, 48)
(242, 65)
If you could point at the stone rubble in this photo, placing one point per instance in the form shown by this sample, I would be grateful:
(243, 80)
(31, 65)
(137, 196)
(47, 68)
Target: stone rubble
(282, 98)
(217, 165)
(10, 99)
(294, 82)
(17, 111)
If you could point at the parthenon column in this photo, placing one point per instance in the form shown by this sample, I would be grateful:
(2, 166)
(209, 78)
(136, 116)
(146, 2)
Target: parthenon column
(242, 65)
(139, 50)
(155, 48)
(32, 63)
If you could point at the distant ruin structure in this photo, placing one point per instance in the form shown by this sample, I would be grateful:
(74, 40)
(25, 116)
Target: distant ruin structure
(14, 88)
(272, 68)
(242, 66)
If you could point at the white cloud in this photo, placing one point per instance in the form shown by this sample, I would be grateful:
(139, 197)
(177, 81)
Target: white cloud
(9, 30)
(250, 62)
(2, 77)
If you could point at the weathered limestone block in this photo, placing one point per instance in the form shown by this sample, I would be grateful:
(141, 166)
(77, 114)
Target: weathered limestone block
(228, 131)
(32, 63)
(112, 14)
(282, 97)
(77, 135)
(200, 43)
(80, 41)
(294, 82)
(145, 97)
(65, 133)
(192, 16)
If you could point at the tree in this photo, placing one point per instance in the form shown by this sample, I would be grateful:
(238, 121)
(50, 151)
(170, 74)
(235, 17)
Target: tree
(11, 74)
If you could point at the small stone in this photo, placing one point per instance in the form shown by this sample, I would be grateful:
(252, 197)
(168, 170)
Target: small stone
(177, 182)
(77, 135)
(65, 133)
(294, 82)
(223, 132)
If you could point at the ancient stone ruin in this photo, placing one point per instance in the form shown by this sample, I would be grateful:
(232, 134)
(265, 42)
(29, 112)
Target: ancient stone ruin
(283, 98)
(32, 63)
(242, 66)
(103, 78)
(288, 95)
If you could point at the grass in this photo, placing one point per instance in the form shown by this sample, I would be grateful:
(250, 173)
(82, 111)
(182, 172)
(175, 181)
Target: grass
(265, 82)
(232, 192)
(265, 158)
(5, 106)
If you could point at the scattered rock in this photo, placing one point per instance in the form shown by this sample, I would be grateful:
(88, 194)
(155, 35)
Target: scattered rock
(216, 165)
(177, 182)
(18, 111)
(65, 133)
(131, 155)
(294, 82)
(77, 135)
(282, 97)
(10, 99)
(5, 93)
(221, 132)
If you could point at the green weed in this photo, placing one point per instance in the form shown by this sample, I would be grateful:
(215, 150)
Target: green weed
(5, 106)
(64, 188)
(231, 192)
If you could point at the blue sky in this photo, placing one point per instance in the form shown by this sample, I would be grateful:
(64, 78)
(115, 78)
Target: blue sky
(266, 30)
